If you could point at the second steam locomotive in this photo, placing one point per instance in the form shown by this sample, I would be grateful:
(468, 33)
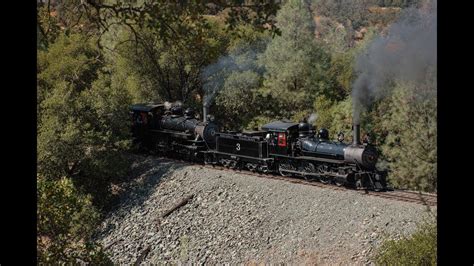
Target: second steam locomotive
(286, 148)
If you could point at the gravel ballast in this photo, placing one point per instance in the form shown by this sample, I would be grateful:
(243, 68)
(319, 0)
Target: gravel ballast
(232, 217)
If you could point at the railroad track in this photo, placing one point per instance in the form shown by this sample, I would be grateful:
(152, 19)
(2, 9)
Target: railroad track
(412, 196)
(399, 195)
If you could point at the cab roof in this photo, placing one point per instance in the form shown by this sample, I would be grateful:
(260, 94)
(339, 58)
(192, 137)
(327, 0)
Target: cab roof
(279, 126)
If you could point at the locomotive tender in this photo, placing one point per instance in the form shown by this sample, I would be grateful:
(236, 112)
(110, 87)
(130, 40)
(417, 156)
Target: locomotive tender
(287, 148)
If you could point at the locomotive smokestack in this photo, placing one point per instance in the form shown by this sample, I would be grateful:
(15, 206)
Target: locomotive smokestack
(356, 134)
(205, 112)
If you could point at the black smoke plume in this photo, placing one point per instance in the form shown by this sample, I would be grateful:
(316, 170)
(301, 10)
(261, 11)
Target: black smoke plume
(407, 52)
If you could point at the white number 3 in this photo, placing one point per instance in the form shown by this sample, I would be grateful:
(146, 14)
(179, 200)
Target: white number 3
(237, 147)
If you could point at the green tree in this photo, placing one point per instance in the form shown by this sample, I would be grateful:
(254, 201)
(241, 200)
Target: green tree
(340, 75)
(238, 99)
(71, 62)
(68, 16)
(47, 26)
(171, 20)
(295, 63)
(66, 221)
(82, 117)
(156, 70)
(237, 76)
(334, 115)
(411, 141)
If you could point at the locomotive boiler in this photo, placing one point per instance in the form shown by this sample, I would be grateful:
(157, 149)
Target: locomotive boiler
(363, 155)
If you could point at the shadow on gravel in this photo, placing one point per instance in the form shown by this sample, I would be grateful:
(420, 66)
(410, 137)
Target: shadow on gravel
(146, 174)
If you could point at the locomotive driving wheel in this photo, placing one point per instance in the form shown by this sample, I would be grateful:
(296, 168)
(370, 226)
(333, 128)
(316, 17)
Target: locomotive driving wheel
(308, 168)
(324, 179)
(282, 172)
(322, 170)
(285, 165)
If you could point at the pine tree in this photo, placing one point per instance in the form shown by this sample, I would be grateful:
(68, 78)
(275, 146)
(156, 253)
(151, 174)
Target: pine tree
(411, 143)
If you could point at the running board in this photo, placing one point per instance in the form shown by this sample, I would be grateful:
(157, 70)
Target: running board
(311, 174)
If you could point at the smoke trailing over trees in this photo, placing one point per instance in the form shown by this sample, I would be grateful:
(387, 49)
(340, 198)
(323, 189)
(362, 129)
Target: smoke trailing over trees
(407, 52)
(229, 83)
(279, 77)
(239, 60)
(313, 118)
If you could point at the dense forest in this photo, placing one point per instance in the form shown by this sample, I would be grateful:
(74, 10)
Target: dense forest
(329, 61)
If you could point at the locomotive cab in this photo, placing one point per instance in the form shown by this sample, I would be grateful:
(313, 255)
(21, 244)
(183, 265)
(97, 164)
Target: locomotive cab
(281, 137)
(144, 117)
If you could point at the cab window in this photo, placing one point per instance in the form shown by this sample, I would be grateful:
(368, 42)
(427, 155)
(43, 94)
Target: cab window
(282, 139)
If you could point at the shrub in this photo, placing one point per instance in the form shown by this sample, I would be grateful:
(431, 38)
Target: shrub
(66, 220)
(418, 249)
(83, 120)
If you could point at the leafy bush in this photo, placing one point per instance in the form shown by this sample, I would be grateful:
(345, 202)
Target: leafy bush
(82, 117)
(418, 249)
(66, 220)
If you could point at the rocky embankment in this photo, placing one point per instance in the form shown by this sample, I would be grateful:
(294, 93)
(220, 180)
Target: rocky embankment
(232, 217)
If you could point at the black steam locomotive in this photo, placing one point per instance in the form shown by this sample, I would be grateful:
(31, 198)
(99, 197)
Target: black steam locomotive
(287, 148)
